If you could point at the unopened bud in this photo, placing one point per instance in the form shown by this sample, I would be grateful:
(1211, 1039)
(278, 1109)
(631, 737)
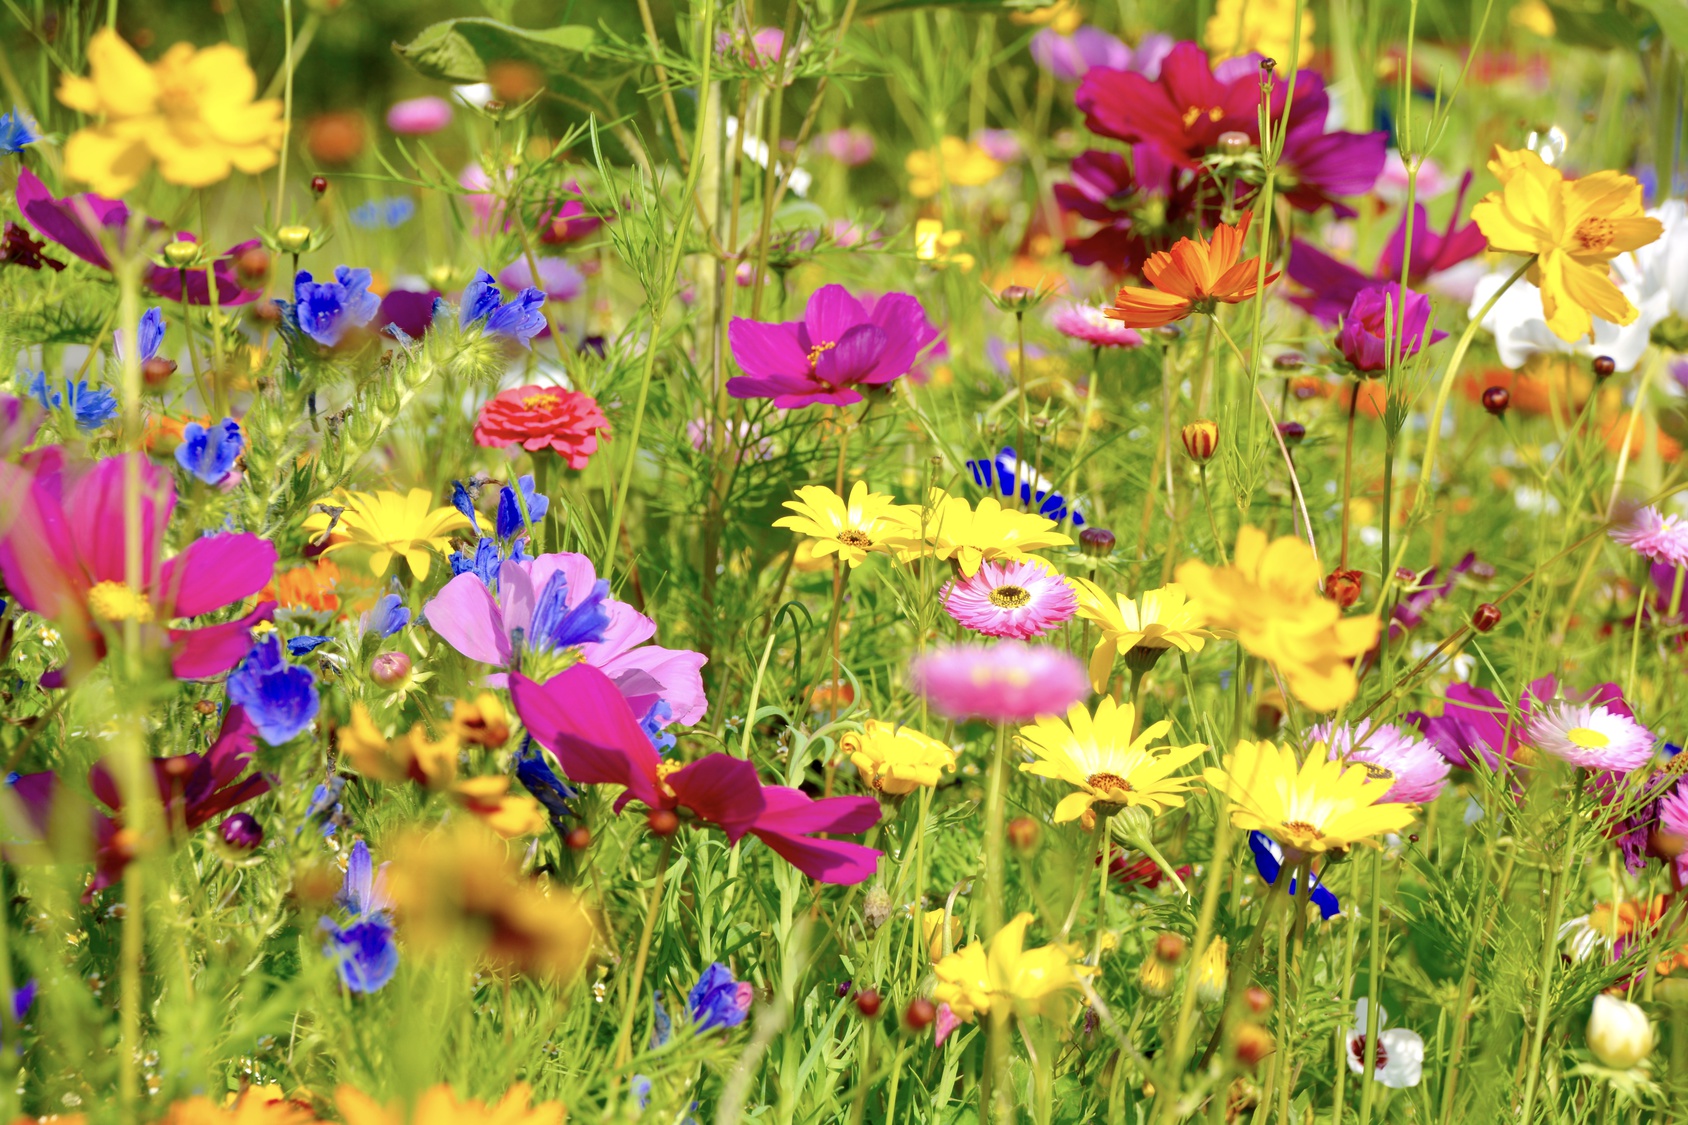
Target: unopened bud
(920, 1014)
(662, 822)
(1024, 834)
(1212, 974)
(1259, 1001)
(867, 1003)
(1096, 543)
(389, 669)
(1604, 365)
(1343, 587)
(253, 265)
(182, 253)
(1289, 361)
(319, 184)
(1201, 439)
(1496, 400)
(876, 907)
(1234, 142)
(1169, 948)
(293, 240)
(1252, 1044)
(579, 838)
(156, 371)
(1154, 978)
(241, 832)
(1485, 617)
(1292, 432)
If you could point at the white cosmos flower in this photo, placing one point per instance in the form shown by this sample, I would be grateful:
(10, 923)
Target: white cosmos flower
(1592, 737)
(1663, 264)
(1520, 327)
(1400, 1053)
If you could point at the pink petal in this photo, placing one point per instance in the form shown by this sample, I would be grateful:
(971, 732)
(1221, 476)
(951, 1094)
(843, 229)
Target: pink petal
(721, 789)
(465, 614)
(95, 508)
(580, 717)
(830, 313)
(767, 351)
(213, 572)
(672, 674)
(213, 650)
(36, 553)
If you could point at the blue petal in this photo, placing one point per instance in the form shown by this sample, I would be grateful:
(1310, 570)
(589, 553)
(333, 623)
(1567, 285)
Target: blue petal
(557, 626)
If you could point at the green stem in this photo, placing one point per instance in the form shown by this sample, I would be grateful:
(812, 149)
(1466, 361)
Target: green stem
(623, 1039)
(1550, 958)
(1374, 979)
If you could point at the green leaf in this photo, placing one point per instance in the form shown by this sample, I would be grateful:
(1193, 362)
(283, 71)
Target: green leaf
(1672, 16)
(460, 50)
(977, 7)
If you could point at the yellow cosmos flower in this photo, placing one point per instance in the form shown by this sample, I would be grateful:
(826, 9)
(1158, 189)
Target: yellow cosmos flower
(412, 757)
(1101, 760)
(1269, 598)
(1317, 806)
(955, 161)
(848, 528)
(387, 524)
(950, 528)
(938, 247)
(440, 1106)
(1157, 619)
(1237, 27)
(1026, 981)
(897, 760)
(1574, 228)
(191, 113)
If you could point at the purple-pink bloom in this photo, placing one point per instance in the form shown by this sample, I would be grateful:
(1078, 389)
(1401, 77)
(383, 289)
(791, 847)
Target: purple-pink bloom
(1135, 201)
(1418, 771)
(1008, 682)
(851, 147)
(1475, 724)
(408, 311)
(1001, 145)
(836, 348)
(1087, 323)
(558, 279)
(1019, 599)
(1654, 535)
(1382, 319)
(1070, 57)
(417, 117)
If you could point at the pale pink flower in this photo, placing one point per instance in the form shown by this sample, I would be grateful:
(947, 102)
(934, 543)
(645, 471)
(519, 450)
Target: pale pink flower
(851, 147)
(1651, 533)
(1008, 682)
(1020, 600)
(1419, 770)
(1086, 322)
(1593, 737)
(946, 1022)
(417, 117)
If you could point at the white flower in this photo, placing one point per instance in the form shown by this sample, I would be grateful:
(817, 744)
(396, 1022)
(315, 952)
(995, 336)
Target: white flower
(1400, 1053)
(1619, 1033)
(1663, 264)
(1520, 327)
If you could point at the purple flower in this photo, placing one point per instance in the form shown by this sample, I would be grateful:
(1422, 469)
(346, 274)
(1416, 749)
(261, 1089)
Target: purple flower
(149, 334)
(1382, 318)
(1319, 166)
(1475, 723)
(851, 147)
(1136, 201)
(510, 520)
(280, 698)
(387, 616)
(210, 454)
(837, 347)
(717, 1000)
(406, 313)
(241, 832)
(363, 950)
(325, 311)
(518, 318)
(559, 280)
(1070, 57)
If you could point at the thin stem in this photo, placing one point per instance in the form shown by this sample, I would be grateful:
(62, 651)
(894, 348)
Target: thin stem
(1374, 978)
(1348, 467)
(623, 1039)
(1549, 957)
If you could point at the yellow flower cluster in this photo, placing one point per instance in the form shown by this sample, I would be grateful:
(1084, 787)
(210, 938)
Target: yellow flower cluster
(439, 1105)
(1238, 27)
(897, 760)
(955, 162)
(1025, 982)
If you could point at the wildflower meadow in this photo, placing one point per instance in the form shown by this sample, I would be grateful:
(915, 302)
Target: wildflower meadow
(863, 561)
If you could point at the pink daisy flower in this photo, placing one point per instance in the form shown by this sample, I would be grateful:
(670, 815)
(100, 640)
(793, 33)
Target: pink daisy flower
(1020, 600)
(1673, 818)
(1085, 322)
(1659, 537)
(1419, 770)
(1593, 737)
(1008, 682)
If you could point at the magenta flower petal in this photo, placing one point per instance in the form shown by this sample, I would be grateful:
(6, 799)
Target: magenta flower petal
(580, 717)
(37, 556)
(766, 351)
(830, 313)
(215, 571)
(94, 507)
(213, 650)
(1008, 682)
(71, 221)
(907, 333)
(791, 816)
(852, 357)
(721, 789)
(674, 675)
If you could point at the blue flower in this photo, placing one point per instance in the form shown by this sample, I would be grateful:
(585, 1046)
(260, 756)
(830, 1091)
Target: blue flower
(364, 890)
(23, 997)
(210, 454)
(518, 318)
(92, 407)
(999, 474)
(1269, 860)
(363, 950)
(510, 513)
(326, 311)
(659, 716)
(325, 808)
(555, 625)
(149, 334)
(299, 646)
(388, 616)
(486, 561)
(383, 214)
(465, 503)
(18, 130)
(280, 698)
(717, 1000)
(538, 778)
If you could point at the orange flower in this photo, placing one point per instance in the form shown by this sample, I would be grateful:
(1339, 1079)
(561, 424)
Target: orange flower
(1194, 276)
(310, 587)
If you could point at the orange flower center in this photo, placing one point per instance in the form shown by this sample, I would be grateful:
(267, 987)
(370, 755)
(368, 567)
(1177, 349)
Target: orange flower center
(1194, 112)
(1594, 234)
(542, 401)
(815, 353)
(1010, 597)
(851, 537)
(1108, 783)
(1299, 830)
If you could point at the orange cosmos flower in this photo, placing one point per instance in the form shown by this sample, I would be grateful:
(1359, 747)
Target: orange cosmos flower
(1194, 276)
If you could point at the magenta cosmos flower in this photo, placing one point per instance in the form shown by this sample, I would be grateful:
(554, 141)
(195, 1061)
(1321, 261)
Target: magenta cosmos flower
(1651, 533)
(417, 117)
(64, 555)
(838, 347)
(1382, 318)
(581, 717)
(1009, 682)
(1140, 205)
(1019, 600)
(557, 602)
(1419, 771)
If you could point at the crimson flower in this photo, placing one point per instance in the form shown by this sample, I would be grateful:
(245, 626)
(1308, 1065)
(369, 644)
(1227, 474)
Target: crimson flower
(1140, 203)
(535, 417)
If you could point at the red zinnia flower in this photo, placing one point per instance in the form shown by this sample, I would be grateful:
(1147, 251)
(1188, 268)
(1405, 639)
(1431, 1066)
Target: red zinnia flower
(541, 417)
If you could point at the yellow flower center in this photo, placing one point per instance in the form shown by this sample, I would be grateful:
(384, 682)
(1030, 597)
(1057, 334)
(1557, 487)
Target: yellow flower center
(1594, 234)
(1108, 783)
(663, 769)
(1010, 597)
(1299, 831)
(115, 601)
(815, 353)
(1587, 738)
(543, 401)
(854, 537)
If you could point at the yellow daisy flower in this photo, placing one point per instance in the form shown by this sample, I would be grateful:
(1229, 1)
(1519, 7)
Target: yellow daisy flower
(1157, 619)
(1317, 806)
(1574, 228)
(848, 528)
(387, 524)
(1029, 981)
(1098, 757)
(950, 528)
(1238, 27)
(897, 760)
(412, 757)
(955, 161)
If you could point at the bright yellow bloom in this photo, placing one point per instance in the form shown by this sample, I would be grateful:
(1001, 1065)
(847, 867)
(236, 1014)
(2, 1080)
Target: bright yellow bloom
(1027, 981)
(956, 162)
(1099, 758)
(1062, 16)
(1269, 597)
(938, 247)
(412, 757)
(509, 815)
(1237, 27)
(1574, 228)
(848, 528)
(932, 929)
(388, 524)
(440, 1106)
(1163, 618)
(1317, 806)
(191, 113)
(1533, 16)
(896, 760)
(950, 528)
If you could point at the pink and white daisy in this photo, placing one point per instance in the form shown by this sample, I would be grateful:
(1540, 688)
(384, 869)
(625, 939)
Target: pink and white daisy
(1086, 322)
(1419, 770)
(1673, 822)
(1008, 682)
(1659, 537)
(1019, 600)
(1596, 738)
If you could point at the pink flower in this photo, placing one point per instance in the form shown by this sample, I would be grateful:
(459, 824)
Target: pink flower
(851, 147)
(838, 347)
(1021, 600)
(1592, 736)
(1659, 537)
(568, 221)
(1419, 769)
(478, 622)
(1001, 145)
(1673, 818)
(64, 556)
(1086, 322)
(1009, 682)
(558, 279)
(534, 417)
(417, 117)
(946, 1022)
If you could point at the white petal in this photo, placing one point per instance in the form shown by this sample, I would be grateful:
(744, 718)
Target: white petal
(1405, 1051)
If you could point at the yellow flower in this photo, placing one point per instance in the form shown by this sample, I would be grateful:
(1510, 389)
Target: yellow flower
(1212, 972)
(388, 524)
(1027, 981)
(848, 528)
(191, 113)
(413, 757)
(1318, 806)
(937, 247)
(509, 815)
(1063, 16)
(895, 759)
(1533, 16)
(955, 161)
(483, 721)
(1099, 758)
(440, 1106)
(932, 929)
(1269, 598)
(1158, 619)
(1237, 27)
(949, 528)
(1574, 228)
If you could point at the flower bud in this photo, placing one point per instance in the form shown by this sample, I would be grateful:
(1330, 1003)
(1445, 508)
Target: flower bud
(1201, 439)
(1211, 973)
(1259, 1001)
(1343, 587)
(867, 1003)
(1485, 617)
(1154, 978)
(1170, 948)
(1496, 400)
(156, 371)
(253, 265)
(319, 184)
(389, 669)
(919, 1014)
(1252, 1044)
(1234, 142)
(293, 240)
(662, 822)
(1292, 433)
(1289, 361)
(876, 907)
(1016, 298)
(241, 832)
(1619, 1033)
(182, 253)
(1024, 834)
(1604, 365)
(843, 989)
(1096, 543)
(579, 838)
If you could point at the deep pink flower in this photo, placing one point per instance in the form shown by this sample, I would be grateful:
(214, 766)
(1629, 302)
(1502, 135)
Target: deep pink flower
(836, 348)
(63, 556)
(558, 279)
(410, 311)
(568, 221)
(1141, 205)
(1474, 723)
(1009, 682)
(417, 117)
(1019, 599)
(1384, 318)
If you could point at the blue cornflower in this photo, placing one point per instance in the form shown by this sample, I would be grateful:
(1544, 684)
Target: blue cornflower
(363, 950)
(556, 625)
(387, 617)
(538, 778)
(486, 560)
(999, 474)
(280, 698)
(383, 214)
(659, 716)
(210, 454)
(1269, 860)
(149, 334)
(510, 513)
(717, 1000)
(465, 503)
(326, 311)
(518, 318)
(299, 646)
(92, 407)
(18, 130)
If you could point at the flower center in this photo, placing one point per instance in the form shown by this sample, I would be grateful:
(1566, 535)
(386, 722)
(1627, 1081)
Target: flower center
(1358, 1046)
(1588, 738)
(1594, 234)
(542, 401)
(1108, 783)
(1010, 597)
(663, 769)
(1195, 112)
(1299, 830)
(815, 353)
(854, 537)
(115, 601)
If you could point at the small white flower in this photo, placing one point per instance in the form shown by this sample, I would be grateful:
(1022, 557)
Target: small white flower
(1619, 1033)
(1400, 1053)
